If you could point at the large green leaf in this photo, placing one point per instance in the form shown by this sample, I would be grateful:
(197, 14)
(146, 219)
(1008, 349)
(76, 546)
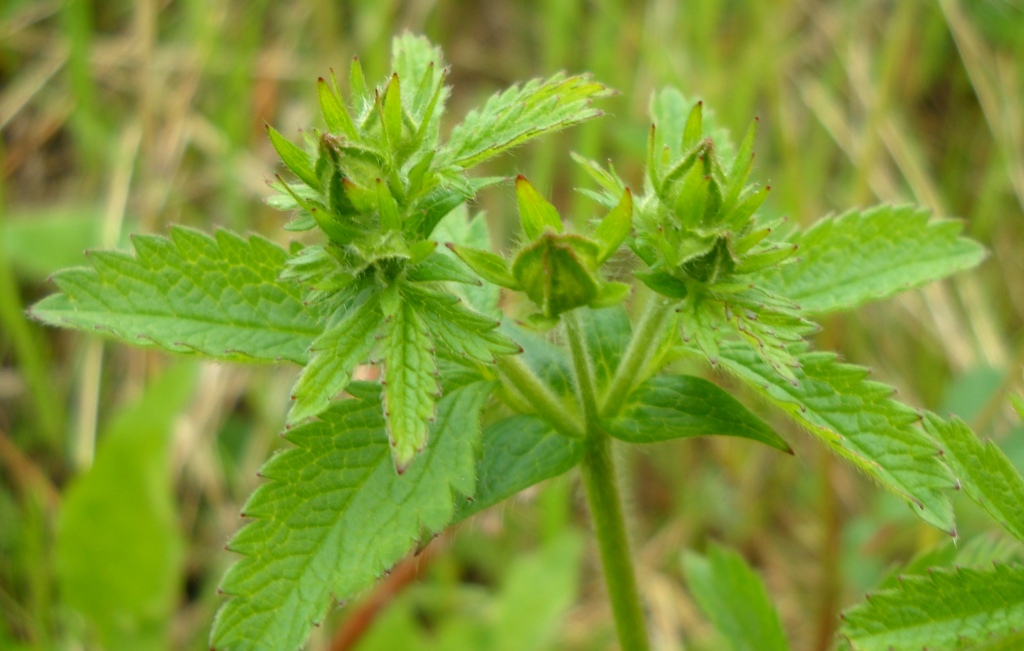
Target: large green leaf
(734, 599)
(945, 609)
(335, 515)
(518, 452)
(191, 293)
(521, 113)
(119, 549)
(859, 421)
(985, 474)
(865, 256)
(663, 408)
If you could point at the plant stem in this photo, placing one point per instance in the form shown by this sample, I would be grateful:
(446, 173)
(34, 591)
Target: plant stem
(644, 343)
(538, 395)
(601, 484)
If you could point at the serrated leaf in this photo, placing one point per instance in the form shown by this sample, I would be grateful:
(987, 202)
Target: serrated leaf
(521, 113)
(663, 408)
(517, 453)
(865, 256)
(333, 357)
(857, 419)
(190, 293)
(119, 550)
(294, 158)
(438, 267)
(733, 597)
(459, 328)
(410, 383)
(335, 515)
(985, 474)
(536, 214)
(945, 609)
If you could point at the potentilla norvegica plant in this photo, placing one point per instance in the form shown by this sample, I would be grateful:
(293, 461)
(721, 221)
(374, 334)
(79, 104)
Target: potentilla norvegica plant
(473, 404)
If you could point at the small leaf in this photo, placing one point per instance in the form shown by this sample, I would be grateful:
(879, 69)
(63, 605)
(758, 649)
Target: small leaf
(683, 406)
(945, 609)
(520, 114)
(664, 283)
(518, 452)
(294, 158)
(985, 474)
(535, 213)
(1018, 404)
(410, 387)
(335, 354)
(735, 600)
(615, 226)
(487, 265)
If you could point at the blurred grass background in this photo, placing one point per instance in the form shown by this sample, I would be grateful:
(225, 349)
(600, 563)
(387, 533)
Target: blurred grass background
(122, 116)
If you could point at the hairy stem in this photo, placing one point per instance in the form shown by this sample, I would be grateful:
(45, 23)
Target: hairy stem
(538, 395)
(642, 346)
(601, 484)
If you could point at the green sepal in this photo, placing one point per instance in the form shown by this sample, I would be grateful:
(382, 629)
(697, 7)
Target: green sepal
(556, 273)
(421, 250)
(492, 268)
(390, 217)
(615, 226)
(294, 158)
(357, 84)
(335, 114)
(392, 112)
(535, 212)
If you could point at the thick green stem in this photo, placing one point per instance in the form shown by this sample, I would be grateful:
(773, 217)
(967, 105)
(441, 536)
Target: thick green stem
(642, 346)
(602, 487)
(538, 395)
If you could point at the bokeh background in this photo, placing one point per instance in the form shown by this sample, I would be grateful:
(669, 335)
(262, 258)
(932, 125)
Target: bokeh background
(122, 471)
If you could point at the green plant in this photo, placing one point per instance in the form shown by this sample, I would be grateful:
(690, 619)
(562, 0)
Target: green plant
(471, 408)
